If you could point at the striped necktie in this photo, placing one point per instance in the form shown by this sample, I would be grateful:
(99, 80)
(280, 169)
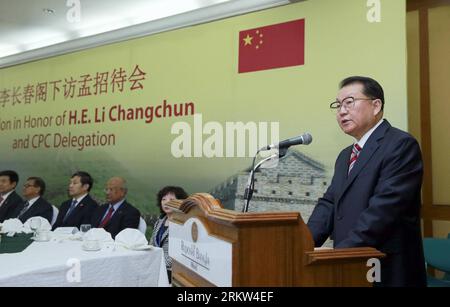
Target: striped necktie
(107, 218)
(355, 153)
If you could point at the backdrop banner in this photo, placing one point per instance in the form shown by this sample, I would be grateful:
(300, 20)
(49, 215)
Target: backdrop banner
(190, 107)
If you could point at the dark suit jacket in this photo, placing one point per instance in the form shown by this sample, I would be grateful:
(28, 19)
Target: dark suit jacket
(41, 207)
(9, 206)
(377, 205)
(126, 216)
(82, 214)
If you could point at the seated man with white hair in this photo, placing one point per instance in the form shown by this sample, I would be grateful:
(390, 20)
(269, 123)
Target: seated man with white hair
(117, 214)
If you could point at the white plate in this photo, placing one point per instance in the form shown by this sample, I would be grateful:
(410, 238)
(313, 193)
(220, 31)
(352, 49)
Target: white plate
(90, 249)
(40, 240)
(142, 248)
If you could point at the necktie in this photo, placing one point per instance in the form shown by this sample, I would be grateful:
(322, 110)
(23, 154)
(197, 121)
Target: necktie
(355, 153)
(1, 199)
(72, 206)
(25, 208)
(107, 217)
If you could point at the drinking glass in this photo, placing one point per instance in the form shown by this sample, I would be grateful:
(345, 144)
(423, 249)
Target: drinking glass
(84, 228)
(35, 224)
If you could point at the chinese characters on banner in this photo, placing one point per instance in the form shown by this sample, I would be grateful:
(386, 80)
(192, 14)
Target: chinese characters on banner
(96, 84)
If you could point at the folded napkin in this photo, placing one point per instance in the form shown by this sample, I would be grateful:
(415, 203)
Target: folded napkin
(131, 239)
(43, 223)
(13, 226)
(66, 233)
(98, 234)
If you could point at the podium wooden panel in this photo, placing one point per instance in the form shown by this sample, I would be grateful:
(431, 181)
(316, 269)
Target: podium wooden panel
(269, 248)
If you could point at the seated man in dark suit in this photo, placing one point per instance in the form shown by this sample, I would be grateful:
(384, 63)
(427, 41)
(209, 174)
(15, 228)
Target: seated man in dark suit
(117, 214)
(9, 199)
(35, 204)
(78, 210)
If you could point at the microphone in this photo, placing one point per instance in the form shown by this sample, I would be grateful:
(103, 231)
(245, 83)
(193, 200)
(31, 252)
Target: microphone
(304, 139)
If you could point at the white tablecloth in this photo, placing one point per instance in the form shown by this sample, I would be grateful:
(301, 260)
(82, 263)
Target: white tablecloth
(56, 263)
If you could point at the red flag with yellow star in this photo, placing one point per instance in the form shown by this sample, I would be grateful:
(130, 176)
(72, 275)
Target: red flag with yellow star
(274, 46)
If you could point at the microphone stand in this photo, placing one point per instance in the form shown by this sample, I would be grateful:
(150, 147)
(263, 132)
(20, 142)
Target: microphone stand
(251, 178)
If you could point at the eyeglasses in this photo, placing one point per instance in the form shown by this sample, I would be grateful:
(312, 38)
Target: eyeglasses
(106, 190)
(348, 103)
(28, 185)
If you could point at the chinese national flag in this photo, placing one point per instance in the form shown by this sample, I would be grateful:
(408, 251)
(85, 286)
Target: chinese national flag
(274, 46)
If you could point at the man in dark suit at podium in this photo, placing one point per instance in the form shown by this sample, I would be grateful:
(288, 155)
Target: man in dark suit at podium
(374, 197)
(35, 204)
(9, 199)
(79, 209)
(116, 214)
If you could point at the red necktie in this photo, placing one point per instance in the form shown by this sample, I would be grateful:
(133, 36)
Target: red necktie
(355, 152)
(107, 217)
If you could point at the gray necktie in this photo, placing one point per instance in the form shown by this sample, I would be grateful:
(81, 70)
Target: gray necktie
(25, 208)
(72, 207)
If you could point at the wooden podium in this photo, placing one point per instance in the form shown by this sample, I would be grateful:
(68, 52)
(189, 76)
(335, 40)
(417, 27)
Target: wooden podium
(260, 249)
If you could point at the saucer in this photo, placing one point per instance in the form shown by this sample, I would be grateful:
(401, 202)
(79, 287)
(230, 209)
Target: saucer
(91, 249)
(40, 240)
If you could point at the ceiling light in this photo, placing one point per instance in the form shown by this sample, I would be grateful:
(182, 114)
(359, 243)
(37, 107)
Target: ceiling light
(223, 9)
